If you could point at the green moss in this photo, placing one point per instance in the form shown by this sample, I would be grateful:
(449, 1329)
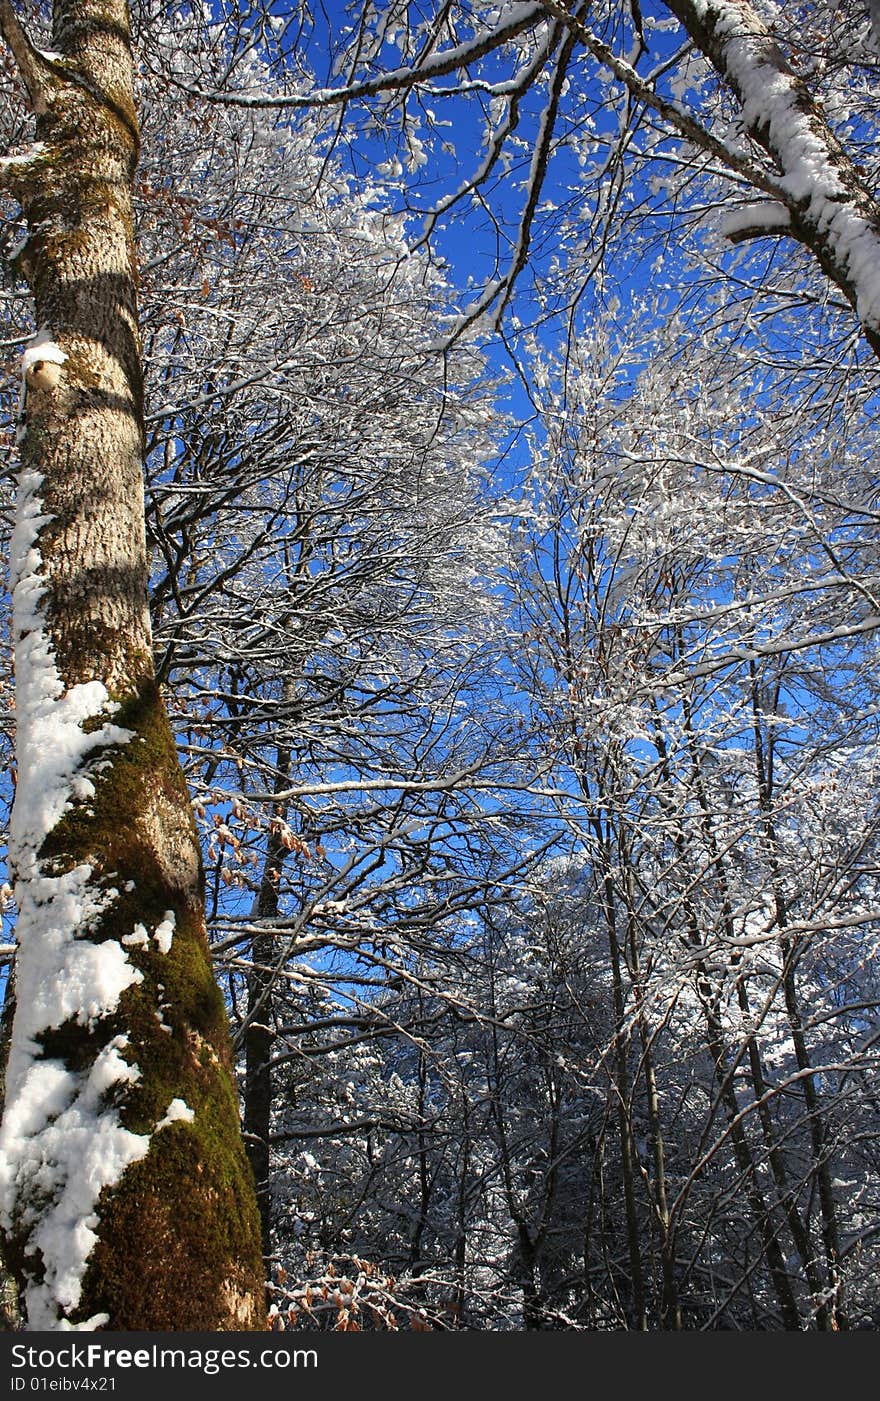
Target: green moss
(177, 1236)
(107, 829)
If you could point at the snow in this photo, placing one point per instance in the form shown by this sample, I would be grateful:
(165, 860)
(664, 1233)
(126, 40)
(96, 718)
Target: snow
(97, 1320)
(18, 247)
(23, 157)
(164, 932)
(765, 214)
(64, 977)
(44, 348)
(511, 21)
(61, 1143)
(178, 1112)
(51, 741)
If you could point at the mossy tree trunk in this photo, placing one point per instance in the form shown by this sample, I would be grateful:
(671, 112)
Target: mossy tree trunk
(173, 1237)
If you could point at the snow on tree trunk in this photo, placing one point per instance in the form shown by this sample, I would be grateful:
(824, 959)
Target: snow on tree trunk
(126, 1198)
(827, 206)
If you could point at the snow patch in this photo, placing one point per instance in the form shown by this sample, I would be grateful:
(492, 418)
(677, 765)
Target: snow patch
(23, 157)
(42, 348)
(97, 1320)
(178, 1112)
(164, 932)
(58, 1141)
(765, 214)
(60, 975)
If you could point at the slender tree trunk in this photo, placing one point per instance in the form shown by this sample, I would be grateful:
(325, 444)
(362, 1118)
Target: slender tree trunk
(10, 1318)
(126, 1196)
(258, 1041)
(748, 1170)
(799, 1232)
(415, 1251)
(639, 1314)
(258, 1089)
(461, 1237)
(670, 1309)
(526, 1250)
(742, 1152)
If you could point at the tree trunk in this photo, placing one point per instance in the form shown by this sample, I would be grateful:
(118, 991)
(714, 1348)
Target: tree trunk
(670, 1308)
(126, 1196)
(622, 1096)
(259, 1035)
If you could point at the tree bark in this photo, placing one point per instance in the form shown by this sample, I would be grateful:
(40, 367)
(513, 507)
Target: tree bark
(120, 1098)
(623, 1098)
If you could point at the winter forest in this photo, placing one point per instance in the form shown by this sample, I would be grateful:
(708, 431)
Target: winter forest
(440, 724)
